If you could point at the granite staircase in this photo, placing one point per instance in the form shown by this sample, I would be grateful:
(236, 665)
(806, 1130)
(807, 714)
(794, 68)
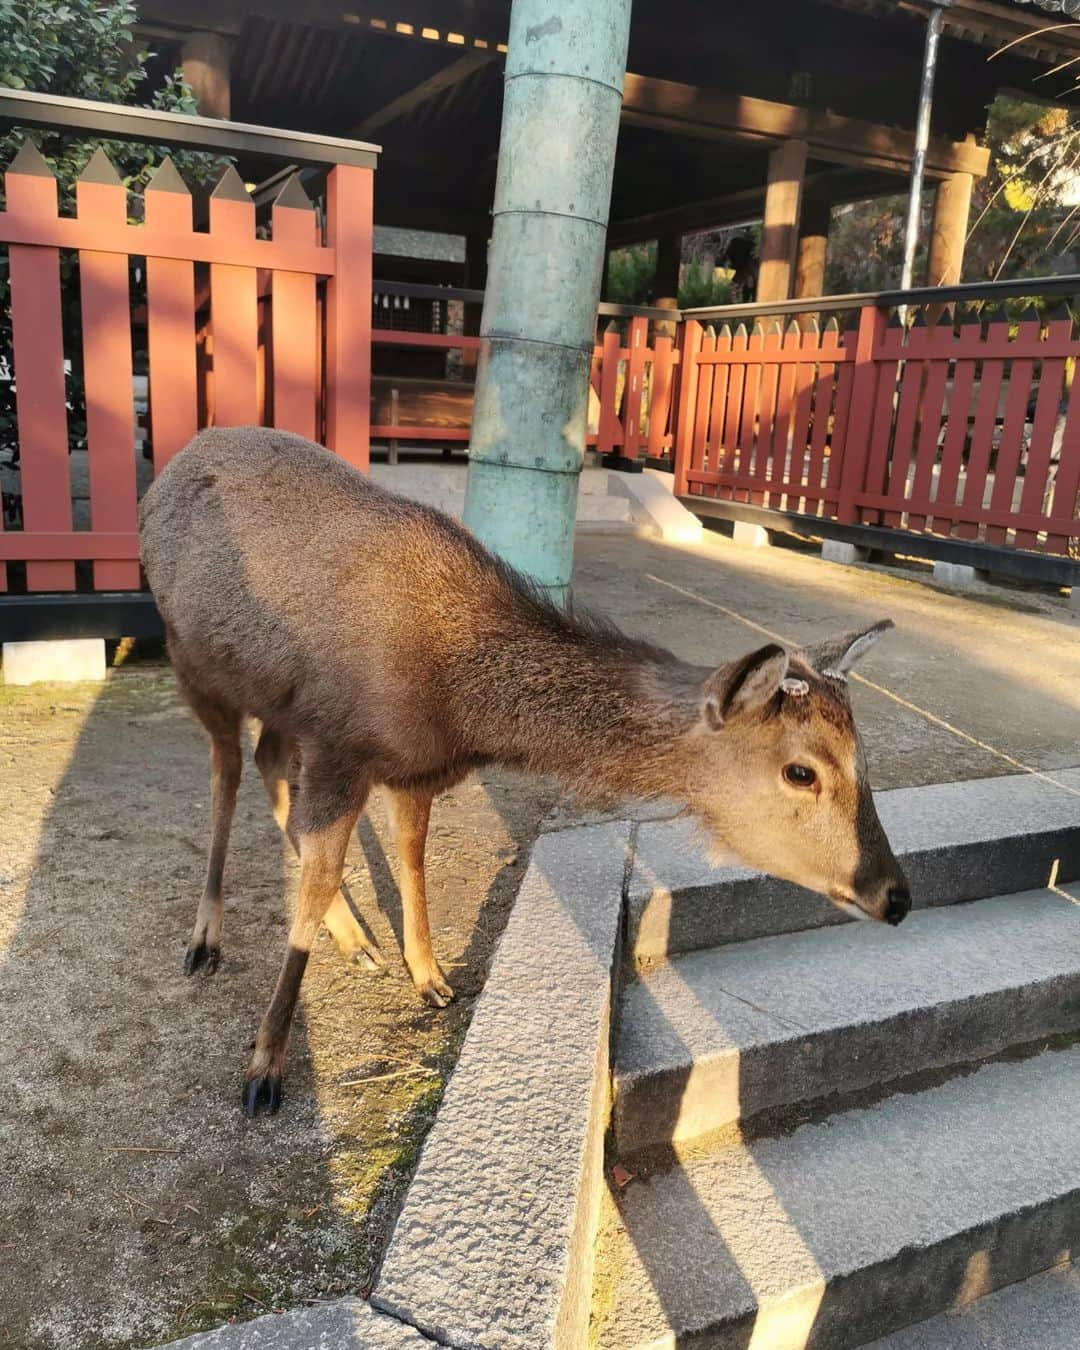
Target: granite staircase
(824, 1132)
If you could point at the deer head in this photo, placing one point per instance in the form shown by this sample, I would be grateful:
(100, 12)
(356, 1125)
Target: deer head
(780, 775)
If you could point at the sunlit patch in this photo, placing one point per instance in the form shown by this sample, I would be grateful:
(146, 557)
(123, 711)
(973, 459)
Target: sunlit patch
(977, 1280)
(15, 872)
(787, 1321)
(1051, 884)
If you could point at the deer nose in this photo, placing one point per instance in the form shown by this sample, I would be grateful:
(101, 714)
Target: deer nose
(897, 904)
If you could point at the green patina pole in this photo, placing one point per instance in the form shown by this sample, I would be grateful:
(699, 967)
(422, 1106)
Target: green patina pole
(564, 77)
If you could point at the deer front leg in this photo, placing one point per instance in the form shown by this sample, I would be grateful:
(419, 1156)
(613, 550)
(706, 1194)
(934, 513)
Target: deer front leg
(275, 756)
(322, 859)
(411, 809)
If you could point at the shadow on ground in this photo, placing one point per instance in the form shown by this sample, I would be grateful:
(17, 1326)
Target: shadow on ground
(136, 1203)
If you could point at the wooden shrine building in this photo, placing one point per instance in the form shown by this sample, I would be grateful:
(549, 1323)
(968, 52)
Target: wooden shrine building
(776, 110)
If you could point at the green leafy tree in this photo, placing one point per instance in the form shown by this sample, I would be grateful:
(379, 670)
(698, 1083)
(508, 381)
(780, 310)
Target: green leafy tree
(77, 49)
(631, 273)
(1023, 218)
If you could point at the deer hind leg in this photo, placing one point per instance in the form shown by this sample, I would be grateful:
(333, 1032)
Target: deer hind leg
(322, 858)
(223, 725)
(411, 810)
(276, 758)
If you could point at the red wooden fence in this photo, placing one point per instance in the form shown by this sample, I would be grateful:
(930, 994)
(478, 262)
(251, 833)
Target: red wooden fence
(921, 427)
(925, 428)
(316, 382)
(632, 381)
(633, 386)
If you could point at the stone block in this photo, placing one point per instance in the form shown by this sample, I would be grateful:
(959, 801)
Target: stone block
(713, 1037)
(59, 661)
(346, 1324)
(836, 551)
(958, 576)
(750, 536)
(852, 1227)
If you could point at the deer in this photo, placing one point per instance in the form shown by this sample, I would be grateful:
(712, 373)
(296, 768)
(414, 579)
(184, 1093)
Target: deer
(377, 644)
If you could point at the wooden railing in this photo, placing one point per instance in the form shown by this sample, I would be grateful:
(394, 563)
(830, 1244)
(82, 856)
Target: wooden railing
(632, 379)
(966, 426)
(236, 328)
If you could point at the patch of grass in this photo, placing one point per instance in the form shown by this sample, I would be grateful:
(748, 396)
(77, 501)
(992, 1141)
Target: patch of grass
(369, 1174)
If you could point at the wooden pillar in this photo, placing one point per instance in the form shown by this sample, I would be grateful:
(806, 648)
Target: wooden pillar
(204, 59)
(476, 256)
(948, 234)
(813, 245)
(668, 262)
(780, 228)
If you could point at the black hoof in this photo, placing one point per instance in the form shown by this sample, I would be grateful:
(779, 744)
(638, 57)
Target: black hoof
(199, 956)
(261, 1091)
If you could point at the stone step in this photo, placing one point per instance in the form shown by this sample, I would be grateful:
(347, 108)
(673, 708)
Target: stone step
(1040, 1313)
(956, 841)
(592, 507)
(852, 1227)
(713, 1037)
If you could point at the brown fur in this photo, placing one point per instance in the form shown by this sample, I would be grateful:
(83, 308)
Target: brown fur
(378, 643)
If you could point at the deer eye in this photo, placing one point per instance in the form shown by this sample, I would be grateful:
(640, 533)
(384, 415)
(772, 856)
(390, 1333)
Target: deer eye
(798, 775)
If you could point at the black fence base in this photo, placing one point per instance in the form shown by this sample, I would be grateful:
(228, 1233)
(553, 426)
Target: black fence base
(622, 463)
(112, 614)
(1003, 562)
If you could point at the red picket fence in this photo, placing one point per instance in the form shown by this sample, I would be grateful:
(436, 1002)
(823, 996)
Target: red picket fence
(633, 386)
(920, 427)
(239, 329)
(632, 382)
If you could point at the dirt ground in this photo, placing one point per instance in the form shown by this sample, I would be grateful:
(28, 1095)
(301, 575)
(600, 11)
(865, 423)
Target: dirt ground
(136, 1201)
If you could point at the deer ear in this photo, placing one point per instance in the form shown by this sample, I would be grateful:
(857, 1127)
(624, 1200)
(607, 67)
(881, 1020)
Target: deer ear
(743, 686)
(837, 655)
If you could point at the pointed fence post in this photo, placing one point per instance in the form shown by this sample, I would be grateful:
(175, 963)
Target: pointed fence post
(170, 320)
(872, 323)
(38, 341)
(683, 435)
(101, 200)
(293, 318)
(234, 308)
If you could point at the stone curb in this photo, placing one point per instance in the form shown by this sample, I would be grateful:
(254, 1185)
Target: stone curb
(956, 841)
(346, 1324)
(494, 1245)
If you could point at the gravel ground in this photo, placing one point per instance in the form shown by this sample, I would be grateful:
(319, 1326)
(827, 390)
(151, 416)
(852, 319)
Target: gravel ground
(136, 1202)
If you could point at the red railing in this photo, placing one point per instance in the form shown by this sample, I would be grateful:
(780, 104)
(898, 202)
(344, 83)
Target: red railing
(632, 381)
(237, 329)
(963, 427)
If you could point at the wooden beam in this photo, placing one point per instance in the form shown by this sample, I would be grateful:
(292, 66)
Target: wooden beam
(423, 92)
(994, 24)
(710, 114)
(483, 23)
(743, 206)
